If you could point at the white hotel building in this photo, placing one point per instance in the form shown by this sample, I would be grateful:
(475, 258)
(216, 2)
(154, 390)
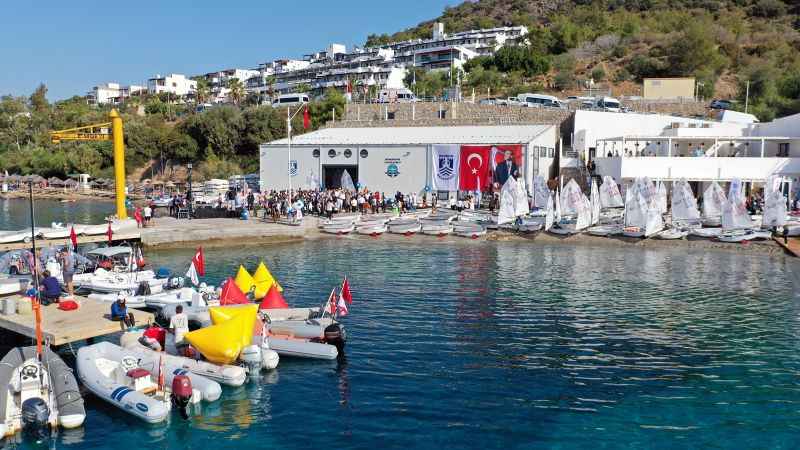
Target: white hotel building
(661, 147)
(112, 93)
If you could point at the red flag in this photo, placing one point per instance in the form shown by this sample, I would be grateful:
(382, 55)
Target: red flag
(341, 307)
(73, 237)
(199, 262)
(474, 170)
(306, 119)
(346, 294)
(231, 294)
(331, 303)
(109, 233)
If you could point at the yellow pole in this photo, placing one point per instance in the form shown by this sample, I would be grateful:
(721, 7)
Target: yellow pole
(119, 162)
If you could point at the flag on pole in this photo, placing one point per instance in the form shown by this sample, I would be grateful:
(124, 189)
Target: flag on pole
(192, 274)
(109, 233)
(139, 257)
(331, 301)
(341, 307)
(73, 237)
(199, 261)
(346, 294)
(306, 119)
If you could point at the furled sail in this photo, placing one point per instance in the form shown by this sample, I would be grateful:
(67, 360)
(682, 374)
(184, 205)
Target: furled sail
(541, 193)
(595, 203)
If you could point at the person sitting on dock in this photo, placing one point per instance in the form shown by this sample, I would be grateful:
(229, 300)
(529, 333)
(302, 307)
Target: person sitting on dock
(51, 288)
(119, 313)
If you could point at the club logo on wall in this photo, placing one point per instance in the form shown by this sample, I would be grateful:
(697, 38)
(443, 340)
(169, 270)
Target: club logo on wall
(293, 168)
(447, 167)
(392, 170)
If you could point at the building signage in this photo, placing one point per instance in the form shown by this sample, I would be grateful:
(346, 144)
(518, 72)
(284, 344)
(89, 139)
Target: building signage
(293, 168)
(392, 167)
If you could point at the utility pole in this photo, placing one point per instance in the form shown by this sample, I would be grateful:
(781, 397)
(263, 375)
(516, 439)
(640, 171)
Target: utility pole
(747, 97)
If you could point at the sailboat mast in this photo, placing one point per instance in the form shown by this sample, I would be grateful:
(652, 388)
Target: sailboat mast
(36, 305)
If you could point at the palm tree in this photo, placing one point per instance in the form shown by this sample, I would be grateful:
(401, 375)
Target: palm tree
(237, 90)
(202, 91)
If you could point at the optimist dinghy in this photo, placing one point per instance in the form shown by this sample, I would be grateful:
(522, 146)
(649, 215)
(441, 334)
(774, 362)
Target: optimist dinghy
(126, 381)
(437, 228)
(37, 394)
(405, 228)
(372, 230)
(671, 234)
(338, 229)
(605, 230)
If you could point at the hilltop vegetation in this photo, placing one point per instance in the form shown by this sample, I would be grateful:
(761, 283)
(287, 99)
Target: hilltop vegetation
(723, 43)
(220, 141)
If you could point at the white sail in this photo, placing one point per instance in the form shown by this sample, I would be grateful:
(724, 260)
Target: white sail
(347, 181)
(550, 218)
(654, 221)
(774, 209)
(713, 201)
(506, 213)
(635, 209)
(521, 205)
(609, 194)
(736, 190)
(684, 206)
(571, 198)
(558, 208)
(646, 188)
(541, 193)
(584, 211)
(735, 216)
(595, 203)
(661, 197)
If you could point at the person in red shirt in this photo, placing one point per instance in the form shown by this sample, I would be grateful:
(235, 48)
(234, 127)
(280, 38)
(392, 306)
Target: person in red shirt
(137, 214)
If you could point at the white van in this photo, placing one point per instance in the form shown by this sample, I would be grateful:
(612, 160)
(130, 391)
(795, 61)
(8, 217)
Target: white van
(396, 96)
(608, 104)
(540, 100)
(287, 100)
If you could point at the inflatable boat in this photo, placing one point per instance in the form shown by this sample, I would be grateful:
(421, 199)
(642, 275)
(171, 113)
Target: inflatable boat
(224, 374)
(437, 228)
(707, 233)
(37, 394)
(671, 234)
(336, 229)
(104, 281)
(130, 383)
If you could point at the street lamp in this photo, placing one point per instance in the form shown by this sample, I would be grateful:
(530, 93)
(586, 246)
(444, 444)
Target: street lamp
(189, 196)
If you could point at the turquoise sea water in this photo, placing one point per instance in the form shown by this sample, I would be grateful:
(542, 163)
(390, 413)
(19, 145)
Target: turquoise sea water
(472, 344)
(15, 213)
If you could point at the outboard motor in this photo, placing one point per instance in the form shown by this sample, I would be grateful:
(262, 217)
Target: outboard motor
(35, 415)
(251, 357)
(143, 288)
(181, 394)
(335, 335)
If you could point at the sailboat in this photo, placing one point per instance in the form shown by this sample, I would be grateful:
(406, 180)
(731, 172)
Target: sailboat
(774, 209)
(575, 205)
(685, 215)
(713, 200)
(514, 207)
(642, 217)
(612, 193)
(736, 223)
(541, 195)
(39, 391)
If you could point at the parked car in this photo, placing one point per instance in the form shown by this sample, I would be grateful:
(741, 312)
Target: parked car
(608, 104)
(721, 104)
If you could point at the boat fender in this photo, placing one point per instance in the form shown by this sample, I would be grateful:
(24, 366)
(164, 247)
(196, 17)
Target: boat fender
(269, 357)
(182, 393)
(336, 336)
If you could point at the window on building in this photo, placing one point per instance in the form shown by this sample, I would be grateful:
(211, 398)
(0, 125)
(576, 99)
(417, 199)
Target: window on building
(315, 153)
(783, 149)
(331, 153)
(348, 153)
(364, 153)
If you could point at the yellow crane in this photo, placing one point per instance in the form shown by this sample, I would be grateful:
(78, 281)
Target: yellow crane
(108, 131)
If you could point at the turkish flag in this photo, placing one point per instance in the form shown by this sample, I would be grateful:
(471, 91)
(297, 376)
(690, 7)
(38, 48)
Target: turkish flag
(306, 119)
(346, 295)
(73, 237)
(475, 168)
(199, 262)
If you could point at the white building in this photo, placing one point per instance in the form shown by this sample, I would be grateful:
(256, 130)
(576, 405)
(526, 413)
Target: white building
(392, 159)
(626, 146)
(173, 83)
(112, 93)
(218, 82)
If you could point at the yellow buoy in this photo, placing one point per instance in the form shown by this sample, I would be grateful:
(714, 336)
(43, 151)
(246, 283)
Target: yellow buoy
(244, 280)
(224, 314)
(264, 280)
(220, 344)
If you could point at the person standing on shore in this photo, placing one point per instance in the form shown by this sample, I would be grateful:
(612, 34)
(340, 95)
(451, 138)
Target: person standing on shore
(148, 214)
(137, 215)
(67, 261)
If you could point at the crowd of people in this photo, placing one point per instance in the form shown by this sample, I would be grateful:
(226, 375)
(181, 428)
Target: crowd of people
(332, 201)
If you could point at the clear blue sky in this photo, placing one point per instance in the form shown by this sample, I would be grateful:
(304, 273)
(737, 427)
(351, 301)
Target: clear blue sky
(73, 45)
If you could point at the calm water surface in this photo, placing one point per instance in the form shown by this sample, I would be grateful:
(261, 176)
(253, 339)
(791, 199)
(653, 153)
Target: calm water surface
(15, 213)
(499, 345)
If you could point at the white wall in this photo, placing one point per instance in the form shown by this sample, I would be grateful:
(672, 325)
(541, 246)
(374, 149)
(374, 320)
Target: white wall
(411, 161)
(695, 169)
(274, 168)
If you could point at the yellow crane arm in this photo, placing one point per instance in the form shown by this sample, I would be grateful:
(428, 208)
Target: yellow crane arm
(97, 132)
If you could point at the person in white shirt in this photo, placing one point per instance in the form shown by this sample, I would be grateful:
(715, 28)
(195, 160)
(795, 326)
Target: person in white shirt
(179, 324)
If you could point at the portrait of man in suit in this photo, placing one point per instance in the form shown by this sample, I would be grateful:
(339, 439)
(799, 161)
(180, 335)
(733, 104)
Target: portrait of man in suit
(504, 169)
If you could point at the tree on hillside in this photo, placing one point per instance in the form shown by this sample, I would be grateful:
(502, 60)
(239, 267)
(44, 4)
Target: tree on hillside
(237, 90)
(202, 92)
(38, 99)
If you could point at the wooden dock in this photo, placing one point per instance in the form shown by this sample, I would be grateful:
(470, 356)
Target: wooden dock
(90, 320)
(792, 245)
(126, 235)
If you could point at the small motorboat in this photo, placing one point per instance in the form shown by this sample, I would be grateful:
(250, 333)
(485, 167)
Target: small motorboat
(605, 230)
(372, 230)
(743, 235)
(8, 237)
(177, 296)
(37, 393)
(708, 233)
(437, 228)
(346, 229)
(120, 377)
(405, 228)
(671, 234)
(104, 281)
(136, 341)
